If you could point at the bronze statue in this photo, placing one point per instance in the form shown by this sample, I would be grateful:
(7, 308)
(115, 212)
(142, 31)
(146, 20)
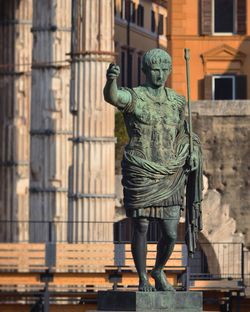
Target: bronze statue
(157, 165)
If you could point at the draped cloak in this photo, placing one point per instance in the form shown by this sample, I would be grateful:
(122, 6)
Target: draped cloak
(151, 176)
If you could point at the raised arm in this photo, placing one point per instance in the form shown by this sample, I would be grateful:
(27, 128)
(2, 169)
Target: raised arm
(112, 95)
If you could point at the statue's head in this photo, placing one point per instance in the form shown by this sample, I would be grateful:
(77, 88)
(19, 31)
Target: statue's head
(156, 65)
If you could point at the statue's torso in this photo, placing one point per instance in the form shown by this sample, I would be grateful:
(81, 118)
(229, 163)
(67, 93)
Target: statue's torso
(153, 126)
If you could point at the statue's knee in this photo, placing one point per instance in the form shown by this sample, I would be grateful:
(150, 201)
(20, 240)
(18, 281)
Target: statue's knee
(170, 237)
(141, 227)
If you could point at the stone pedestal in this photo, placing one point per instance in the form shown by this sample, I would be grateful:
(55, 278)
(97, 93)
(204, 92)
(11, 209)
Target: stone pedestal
(159, 301)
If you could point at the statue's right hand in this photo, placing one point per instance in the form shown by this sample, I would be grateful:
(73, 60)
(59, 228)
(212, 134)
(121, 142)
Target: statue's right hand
(113, 71)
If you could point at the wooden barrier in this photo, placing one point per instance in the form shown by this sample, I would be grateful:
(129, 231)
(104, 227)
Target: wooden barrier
(22, 257)
(84, 257)
(77, 267)
(79, 270)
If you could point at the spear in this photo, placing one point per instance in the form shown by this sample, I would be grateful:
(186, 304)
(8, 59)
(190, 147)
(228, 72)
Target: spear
(189, 213)
(187, 58)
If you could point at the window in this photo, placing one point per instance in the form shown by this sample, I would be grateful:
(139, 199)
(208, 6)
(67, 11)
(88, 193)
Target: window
(123, 68)
(128, 10)
(224, 16)
(140, 15)
(126, 69)
(160, 24)
(139, 69)
(133, 12)
(223, 87)
(153, 21)
(130, 70)
(122, 9)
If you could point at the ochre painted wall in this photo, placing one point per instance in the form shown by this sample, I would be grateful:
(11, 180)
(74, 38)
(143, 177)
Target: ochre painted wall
(183, 33)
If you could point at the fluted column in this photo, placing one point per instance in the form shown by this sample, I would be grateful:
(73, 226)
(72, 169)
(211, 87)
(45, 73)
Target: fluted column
(15, 85)
(51, 121)
(92, 174)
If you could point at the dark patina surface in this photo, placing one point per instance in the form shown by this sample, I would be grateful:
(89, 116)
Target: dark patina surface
(158, 165)
(154, 301)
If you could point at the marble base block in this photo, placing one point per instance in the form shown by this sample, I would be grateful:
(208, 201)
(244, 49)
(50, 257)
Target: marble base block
(160, 301)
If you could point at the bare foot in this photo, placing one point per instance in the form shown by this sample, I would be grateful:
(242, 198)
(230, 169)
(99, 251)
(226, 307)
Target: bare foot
(161, 283)
(144, 285)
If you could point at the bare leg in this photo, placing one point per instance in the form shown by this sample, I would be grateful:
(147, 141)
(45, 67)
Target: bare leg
(139, 251)
(164, 250)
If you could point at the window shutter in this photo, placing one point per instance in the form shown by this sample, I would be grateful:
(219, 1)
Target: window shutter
(160, 24)
(152, 21)
(127, 10)
(206, 17)
(241, 17)
(208, 87)
(133, 12)
(140, 15)
(241, 87)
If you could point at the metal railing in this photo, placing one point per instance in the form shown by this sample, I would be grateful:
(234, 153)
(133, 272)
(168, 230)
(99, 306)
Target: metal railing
(75, 231)
(211, 260)
(246, 255)
(218, 261)
(56, 231)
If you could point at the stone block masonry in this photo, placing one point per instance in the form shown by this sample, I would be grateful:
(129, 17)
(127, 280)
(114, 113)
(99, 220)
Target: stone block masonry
(224, 130)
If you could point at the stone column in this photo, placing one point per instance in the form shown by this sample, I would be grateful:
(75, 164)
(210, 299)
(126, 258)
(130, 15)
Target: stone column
(51, 121)
(15, 85)
(92, 174)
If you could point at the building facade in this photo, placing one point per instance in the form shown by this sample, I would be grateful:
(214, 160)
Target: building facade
(219, 47)
(217, 33)
(139, 26)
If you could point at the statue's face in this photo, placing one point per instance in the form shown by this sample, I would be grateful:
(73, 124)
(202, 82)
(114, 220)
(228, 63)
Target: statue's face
(157, 74)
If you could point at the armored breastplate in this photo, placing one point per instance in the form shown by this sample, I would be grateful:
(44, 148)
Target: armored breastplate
(153, 126)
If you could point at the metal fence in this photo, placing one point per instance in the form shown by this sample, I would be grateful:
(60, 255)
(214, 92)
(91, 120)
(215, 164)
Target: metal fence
(218, 260)
(77, 231)
(56, 231)
(246, 254)
(210, 261)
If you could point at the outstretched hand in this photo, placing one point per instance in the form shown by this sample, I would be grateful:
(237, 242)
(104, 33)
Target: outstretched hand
(113, 71)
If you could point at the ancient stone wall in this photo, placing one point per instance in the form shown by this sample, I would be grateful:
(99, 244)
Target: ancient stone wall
(224, 130)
